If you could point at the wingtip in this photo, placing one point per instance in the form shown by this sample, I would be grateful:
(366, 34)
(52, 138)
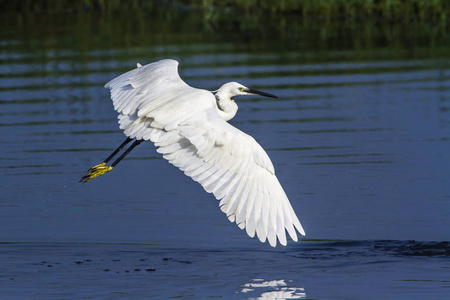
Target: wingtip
(299, 228)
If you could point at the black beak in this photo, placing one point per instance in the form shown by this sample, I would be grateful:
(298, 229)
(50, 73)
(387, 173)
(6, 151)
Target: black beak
(255, 92)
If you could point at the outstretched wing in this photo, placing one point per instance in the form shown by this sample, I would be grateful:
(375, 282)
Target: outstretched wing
(155, 104)
(151, 83)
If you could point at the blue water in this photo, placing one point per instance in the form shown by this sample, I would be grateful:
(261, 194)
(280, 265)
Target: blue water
(361, 148)
(308, 270)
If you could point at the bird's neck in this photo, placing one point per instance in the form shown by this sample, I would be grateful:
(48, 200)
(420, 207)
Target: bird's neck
(226, 108)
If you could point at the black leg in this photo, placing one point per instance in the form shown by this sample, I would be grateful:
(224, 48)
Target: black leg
(102, 168)
(137, 142)
(117, 150)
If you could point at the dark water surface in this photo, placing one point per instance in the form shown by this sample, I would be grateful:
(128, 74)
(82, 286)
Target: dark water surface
(360, 140)
(308, 270)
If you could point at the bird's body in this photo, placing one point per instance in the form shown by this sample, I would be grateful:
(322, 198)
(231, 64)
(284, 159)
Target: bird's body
(189, 126)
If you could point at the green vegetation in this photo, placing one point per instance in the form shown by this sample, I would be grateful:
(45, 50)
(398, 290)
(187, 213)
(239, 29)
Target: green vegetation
(311, 31)
(405, 10)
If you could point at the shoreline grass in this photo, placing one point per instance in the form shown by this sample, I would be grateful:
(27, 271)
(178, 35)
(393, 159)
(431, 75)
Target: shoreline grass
(393, 10)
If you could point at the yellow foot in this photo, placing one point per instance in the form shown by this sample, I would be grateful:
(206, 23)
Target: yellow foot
(96, 171)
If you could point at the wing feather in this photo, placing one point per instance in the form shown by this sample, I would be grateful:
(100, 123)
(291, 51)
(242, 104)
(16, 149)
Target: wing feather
(234, 197)
(224, 185)
(241, 210)
(155, 104)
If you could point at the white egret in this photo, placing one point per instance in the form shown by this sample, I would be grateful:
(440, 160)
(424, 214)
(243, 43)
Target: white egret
(189, 128)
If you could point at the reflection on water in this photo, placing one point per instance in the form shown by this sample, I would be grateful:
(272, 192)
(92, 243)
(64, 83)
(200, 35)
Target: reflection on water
(316, 270)
(278, 289)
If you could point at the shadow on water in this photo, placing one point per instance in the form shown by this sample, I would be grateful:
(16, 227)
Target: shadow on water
(376, 248)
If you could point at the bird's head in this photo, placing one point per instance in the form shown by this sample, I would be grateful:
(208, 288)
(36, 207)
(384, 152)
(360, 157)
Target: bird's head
(232, 89)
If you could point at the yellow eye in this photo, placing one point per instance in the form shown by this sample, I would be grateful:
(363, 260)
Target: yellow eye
(241, 89)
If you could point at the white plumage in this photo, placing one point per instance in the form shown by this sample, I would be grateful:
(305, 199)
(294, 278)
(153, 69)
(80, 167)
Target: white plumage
(189, 126)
